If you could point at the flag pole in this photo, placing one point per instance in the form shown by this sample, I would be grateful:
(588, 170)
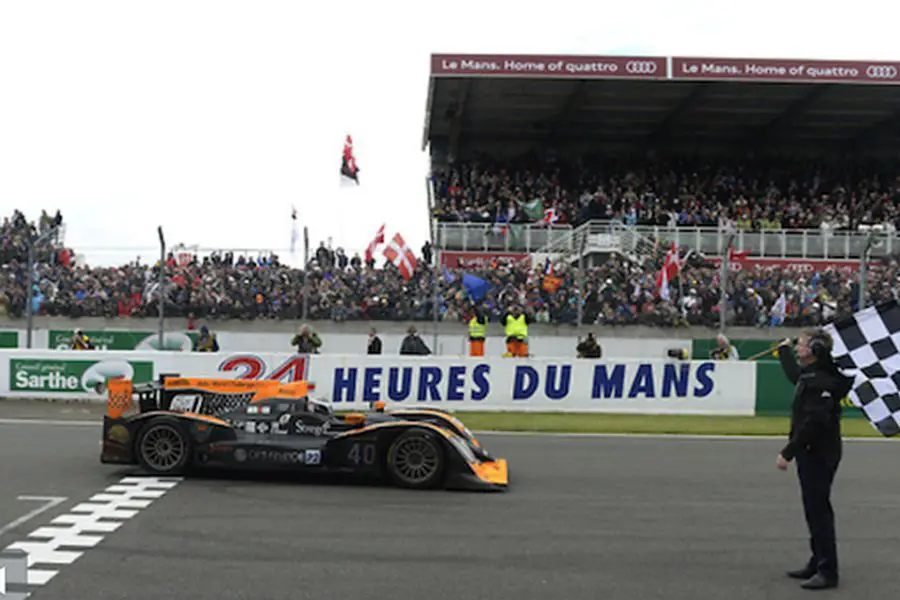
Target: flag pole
(305, 272)
(436, 286)
(723, 283)
(863, 260)
(581, 248)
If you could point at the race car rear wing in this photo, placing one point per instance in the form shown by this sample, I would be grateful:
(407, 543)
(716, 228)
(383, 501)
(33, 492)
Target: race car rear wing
(125, 398)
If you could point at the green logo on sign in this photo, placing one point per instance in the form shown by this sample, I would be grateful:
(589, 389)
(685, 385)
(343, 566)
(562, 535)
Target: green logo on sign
(73, 376)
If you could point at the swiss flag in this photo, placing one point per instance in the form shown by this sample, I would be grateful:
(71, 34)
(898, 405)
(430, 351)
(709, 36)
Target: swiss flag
(401, 256)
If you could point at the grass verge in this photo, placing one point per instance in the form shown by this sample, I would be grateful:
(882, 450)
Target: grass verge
(655, 424)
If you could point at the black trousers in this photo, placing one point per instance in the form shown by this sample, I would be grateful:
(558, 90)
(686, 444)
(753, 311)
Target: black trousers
(816, 474)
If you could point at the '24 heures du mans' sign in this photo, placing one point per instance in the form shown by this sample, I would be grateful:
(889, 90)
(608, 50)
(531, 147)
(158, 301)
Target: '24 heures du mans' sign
(674, 68)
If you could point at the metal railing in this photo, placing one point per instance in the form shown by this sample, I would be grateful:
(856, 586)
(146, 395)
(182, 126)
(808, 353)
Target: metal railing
(486, 237)
(769, 243)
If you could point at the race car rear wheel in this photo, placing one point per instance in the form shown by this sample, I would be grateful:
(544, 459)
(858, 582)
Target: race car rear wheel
(416, 459)
(163, 448)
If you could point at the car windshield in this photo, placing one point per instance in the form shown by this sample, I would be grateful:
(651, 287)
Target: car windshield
(318, 407)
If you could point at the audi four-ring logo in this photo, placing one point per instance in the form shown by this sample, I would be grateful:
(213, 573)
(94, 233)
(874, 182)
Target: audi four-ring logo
(882, 72)
(641, 67)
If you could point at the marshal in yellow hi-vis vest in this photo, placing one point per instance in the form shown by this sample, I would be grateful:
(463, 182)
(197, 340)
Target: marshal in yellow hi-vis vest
(477, 334)
(516, 329)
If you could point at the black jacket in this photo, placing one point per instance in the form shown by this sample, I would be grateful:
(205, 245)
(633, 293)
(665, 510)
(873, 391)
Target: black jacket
(413, 344)
(816, 411)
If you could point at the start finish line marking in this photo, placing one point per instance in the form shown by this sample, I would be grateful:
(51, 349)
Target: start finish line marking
(70, 535)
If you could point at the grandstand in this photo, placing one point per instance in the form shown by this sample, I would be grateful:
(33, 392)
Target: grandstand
(598, 164)
(795, 156)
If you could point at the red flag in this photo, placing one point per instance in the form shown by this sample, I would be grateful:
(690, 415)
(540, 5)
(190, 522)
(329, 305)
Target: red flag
(349, 169)
(734, 256)
(379, 239)
(401, 256)
(669, 271)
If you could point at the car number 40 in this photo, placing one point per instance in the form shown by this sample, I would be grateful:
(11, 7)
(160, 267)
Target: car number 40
(362, 454)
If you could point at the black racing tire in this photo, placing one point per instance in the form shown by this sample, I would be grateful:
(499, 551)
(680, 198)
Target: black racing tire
(416, 460)
(163, 447)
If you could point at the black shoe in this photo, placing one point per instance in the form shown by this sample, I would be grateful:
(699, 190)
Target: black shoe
(819, 582)
(804, 573)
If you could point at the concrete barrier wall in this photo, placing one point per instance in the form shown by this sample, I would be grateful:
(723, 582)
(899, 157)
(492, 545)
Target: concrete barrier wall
(492, 384)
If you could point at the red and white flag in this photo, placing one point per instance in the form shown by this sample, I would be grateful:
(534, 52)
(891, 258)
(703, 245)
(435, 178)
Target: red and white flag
(550, 217)
(349, 169)
(670, 269)
(379, 239)
(401, 256)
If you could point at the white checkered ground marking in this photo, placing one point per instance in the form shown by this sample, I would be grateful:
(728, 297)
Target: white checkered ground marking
(69, 535)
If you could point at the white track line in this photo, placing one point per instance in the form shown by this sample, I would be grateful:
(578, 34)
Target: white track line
(663, 436)
(49, 502)
(82, 528)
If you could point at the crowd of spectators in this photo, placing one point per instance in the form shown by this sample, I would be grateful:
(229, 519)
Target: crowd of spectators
(343, 288)
(749, 194)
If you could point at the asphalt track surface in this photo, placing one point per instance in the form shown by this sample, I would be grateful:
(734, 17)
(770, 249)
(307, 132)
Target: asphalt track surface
(586, 517)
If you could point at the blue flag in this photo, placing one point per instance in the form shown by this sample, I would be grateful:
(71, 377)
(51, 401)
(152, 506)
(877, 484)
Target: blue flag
(475, 286)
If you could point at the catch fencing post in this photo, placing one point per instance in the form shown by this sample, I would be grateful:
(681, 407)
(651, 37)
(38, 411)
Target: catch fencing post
(161, 283)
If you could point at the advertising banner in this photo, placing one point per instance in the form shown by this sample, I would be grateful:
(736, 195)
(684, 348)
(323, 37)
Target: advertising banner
(606, 67)
(800, 265)
(60, 339)
(480, 260)
(53, 376)
(9, 339)
(804, 71)
(351, 382)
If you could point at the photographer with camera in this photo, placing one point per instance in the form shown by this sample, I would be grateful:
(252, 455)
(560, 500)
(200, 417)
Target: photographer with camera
(589, 348)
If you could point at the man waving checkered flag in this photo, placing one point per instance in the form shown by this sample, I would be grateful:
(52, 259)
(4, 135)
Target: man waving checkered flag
(867, 347)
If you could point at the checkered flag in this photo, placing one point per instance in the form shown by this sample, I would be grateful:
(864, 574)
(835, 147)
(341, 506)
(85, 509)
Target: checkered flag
(867, 348)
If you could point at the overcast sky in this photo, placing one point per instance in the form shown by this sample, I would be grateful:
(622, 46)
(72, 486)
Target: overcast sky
(213, 118)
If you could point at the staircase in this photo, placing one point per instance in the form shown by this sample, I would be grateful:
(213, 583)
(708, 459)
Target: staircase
(600, 237)
(631, 244)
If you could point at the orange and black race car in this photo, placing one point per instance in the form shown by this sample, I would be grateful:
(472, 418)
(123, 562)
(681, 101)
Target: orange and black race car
(177, 424)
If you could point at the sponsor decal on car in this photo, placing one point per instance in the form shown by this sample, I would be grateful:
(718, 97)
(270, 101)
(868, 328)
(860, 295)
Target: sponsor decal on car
(278, 456)
(317, 430)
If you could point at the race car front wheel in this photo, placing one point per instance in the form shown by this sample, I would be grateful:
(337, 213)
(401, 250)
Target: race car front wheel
(415, 459)
(163, 448)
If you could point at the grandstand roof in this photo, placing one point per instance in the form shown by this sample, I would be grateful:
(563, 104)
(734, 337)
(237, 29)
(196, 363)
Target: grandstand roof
(646, 102)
